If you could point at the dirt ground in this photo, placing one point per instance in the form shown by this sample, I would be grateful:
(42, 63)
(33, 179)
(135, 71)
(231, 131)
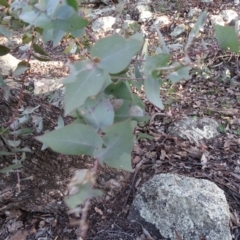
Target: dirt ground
(31, 202)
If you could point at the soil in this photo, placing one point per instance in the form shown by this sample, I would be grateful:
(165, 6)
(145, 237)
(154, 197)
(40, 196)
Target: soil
(31, 201)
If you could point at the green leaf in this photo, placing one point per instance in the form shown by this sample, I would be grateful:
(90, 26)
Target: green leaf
(11, 167)
(4, 3)
(115, 52)
(51, 7)
(2, 83)
(24, 131)
(145, 136)
(27, 38)
(73, 139)
(97, 112)
(60, 122)
(120, 90)
(227, 38)
(85, 192)
(25, 149)
(17, 24)
(152, 91)
(194, 32)
(73, 4)
(36, 18)
(21, 68)
(151, 84)
(78, 33)
(4, 32)
(13, 143)
(138, 83)
(42, 59)
(4, 50)
(125, 109)
(118, 144)
(3, 153)
(164, 48)
(181, 73)
(68, 20)
(89, 81)
(155, 62)
(39, 50)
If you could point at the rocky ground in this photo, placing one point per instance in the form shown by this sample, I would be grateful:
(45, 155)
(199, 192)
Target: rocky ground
(212, 91)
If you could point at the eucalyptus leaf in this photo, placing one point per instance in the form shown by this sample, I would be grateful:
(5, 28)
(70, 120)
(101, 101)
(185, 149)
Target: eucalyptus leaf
(41, 58)
(21, 68)
(115, 52)
(152, 91)
(138, 75)
(4, 50)
(2, 82)
(68, 20)
(25, 149)
(118, 143)
(27, 38)
(125, 109)
(73, 4)
(145, 136)
(39, 50)
(227, 38)
(181, 73)
(29, 110)
(72, 139)
(89, 81)
(4, 31)
(13, 143)
(11, 168)
(36, 18)
(4, 3)
(97, 112)
(154, 62)
(3, 153)
(84, 193)
(119, 90)
(151, 82)
(51, 7)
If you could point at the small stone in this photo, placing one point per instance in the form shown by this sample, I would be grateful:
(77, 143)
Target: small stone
(144, 16)
(217, 19)
(178, 30)
(8, 64)
(229, 15)
(103, 24)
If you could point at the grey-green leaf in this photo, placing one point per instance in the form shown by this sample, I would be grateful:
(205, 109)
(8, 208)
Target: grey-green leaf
(227, 38)
(115, 52)
(11, 167)
(85, 192)
(125, 109)
(154, 62)
(118, 140)
(152, 91)
(21, 68)
(151, 82)
(73, 139)
(89, 81)
(68, 20)
(119, 90)
(4, 32)
(181, 73)
(37, 18)
(97, 112)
